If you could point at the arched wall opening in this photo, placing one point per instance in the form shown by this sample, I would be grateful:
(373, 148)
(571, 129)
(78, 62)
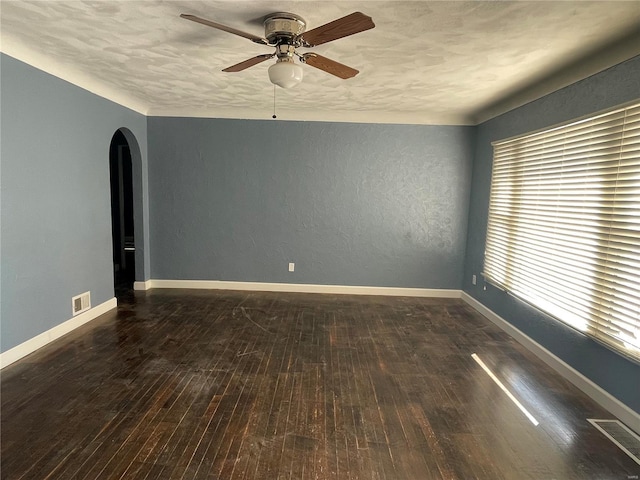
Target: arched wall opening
(125, 162)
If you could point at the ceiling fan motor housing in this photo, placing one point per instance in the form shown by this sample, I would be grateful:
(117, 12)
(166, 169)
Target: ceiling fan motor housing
(283, 27)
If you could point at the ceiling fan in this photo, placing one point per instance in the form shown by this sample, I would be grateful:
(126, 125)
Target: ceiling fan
(286, 32)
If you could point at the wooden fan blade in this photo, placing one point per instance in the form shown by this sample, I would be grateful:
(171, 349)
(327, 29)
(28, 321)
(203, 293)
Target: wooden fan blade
(224, 28)
(343, 27)
(238, 67)
(330, 66)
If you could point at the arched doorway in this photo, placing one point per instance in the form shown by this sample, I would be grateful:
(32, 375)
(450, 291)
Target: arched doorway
(122, 214)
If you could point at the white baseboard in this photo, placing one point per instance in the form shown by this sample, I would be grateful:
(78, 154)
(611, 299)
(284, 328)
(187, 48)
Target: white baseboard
(597, 393)
(39, 341)
(146, 285)
(302, 288)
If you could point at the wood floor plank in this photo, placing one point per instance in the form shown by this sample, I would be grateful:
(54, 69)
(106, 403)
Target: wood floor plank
(190, 385)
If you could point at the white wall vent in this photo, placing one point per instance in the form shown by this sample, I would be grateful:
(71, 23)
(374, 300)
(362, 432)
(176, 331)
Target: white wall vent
(621, 435)
(81, 303)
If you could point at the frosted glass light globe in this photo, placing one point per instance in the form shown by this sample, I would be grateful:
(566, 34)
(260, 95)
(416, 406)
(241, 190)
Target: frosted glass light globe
(285, 73)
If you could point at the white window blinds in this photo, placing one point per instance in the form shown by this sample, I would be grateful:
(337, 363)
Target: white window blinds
(564, 224)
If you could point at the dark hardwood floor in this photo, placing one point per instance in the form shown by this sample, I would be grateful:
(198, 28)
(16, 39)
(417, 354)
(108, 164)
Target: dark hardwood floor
(237, 385)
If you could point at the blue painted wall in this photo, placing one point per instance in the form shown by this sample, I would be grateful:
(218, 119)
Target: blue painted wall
(55, 200)
(350, 204)
(612, 87)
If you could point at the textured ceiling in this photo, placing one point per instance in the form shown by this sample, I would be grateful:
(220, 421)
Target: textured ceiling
(446, 62)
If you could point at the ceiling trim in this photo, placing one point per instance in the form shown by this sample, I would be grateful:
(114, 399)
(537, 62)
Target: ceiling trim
(622, 49)
(369, 116)
(67, 73)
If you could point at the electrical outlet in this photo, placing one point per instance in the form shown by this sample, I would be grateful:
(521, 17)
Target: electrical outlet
(473, 279)
(292, 267)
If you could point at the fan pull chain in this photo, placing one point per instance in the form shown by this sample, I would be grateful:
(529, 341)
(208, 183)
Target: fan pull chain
(274, 102)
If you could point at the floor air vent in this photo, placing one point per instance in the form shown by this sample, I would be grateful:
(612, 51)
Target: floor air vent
(81, 303)
(621, 435)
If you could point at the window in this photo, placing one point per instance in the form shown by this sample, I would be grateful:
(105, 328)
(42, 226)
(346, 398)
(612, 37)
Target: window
(564, 224)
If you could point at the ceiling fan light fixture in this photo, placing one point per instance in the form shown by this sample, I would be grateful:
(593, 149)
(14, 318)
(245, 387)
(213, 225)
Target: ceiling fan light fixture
(287, 32)
(285, 73)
